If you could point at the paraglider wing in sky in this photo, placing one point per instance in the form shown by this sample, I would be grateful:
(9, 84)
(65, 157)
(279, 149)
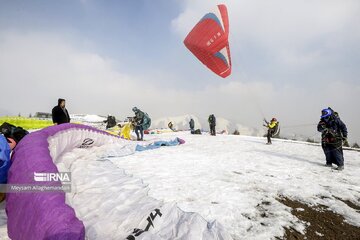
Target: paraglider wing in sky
(208, 41)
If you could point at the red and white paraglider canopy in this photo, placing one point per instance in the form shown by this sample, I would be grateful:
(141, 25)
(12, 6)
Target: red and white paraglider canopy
(208, 41)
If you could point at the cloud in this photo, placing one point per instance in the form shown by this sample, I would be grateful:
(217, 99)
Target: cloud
(37, 68)
(290, 59)
(295, 34)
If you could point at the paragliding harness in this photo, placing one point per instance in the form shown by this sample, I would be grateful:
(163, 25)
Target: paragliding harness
(13, 132)
(331, 137)
(276, 130)
(147, 121)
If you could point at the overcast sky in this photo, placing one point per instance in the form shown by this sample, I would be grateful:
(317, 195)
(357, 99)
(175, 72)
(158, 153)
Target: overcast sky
(290, 59)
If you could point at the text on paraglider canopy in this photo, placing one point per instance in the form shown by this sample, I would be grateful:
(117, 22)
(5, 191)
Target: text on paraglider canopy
(150, 220)
(213, 38)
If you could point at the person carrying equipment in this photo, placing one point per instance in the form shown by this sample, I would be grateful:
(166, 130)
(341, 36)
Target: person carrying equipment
(142, 122)
(333, 135)
(273, 129)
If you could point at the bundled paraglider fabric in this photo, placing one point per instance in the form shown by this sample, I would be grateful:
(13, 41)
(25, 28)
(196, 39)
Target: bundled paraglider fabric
(197, 131)
(126, 130)
(208, 41)
(158, 144)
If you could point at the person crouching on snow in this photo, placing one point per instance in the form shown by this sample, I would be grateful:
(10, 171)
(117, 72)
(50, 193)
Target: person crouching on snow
(333, 133)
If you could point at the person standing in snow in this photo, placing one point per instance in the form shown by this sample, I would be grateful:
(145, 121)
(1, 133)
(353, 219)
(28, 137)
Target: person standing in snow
(192, 125)
(333, 134)
(212, 124)
(272, 128)
(138, 121)
(142, 122)
(60, 113)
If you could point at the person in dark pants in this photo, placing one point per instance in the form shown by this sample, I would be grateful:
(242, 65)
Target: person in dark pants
(192, 125)
(333, 134)
(138, 121)
(212, 124)
(60, 113)
(273, 127)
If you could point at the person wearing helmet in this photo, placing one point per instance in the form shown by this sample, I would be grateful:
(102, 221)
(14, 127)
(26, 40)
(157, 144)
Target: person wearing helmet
(138, 122)
(333, 134)
(272, 128)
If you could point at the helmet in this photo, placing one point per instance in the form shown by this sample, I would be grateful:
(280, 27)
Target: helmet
(273, 119)
(134, 109)
(325, 113)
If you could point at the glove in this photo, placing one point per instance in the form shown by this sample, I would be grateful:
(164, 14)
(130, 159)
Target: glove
(345, 141)
(322, 127)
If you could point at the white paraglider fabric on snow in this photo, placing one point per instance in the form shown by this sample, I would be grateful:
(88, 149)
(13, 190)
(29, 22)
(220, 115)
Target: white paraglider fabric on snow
(114, 205)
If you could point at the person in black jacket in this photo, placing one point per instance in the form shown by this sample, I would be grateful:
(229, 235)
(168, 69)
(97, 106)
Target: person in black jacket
(333, 134)
(192, 125)
(59, 113)
(212, 124)
(110, 121)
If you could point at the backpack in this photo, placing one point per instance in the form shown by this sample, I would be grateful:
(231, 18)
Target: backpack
(11, 131)
(147, 122)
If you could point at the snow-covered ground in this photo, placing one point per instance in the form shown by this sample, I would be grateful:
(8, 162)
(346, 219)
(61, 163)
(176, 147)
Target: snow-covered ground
(234, 180)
